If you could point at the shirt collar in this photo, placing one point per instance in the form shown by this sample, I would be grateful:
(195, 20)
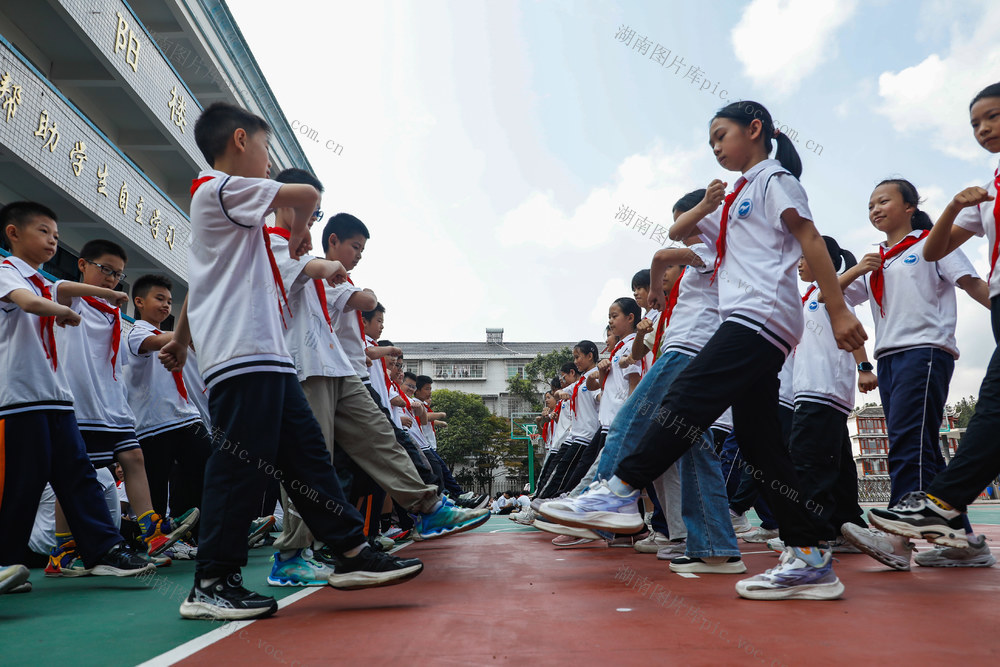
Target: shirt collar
(753, 171)
(915, 232)
(24, 268)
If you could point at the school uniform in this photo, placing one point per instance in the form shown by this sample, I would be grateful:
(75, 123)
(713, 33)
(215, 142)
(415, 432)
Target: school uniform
(427, 431)
(915, 353)
(238, 311)
(977, 460)
(824, 380)
(762, 322)
(558, 428)
(39, 438)
(168, 425)
(582, 445)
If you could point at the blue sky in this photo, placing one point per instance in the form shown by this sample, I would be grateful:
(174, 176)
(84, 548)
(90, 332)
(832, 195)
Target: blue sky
(490, 145)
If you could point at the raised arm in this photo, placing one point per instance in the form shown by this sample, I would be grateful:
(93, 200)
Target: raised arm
(686, 222)
(31, 303)
(323, 269)
(364, 300)
(68, 290)
(173, 354)
(944, 236)
(976, 288)
(302, 199)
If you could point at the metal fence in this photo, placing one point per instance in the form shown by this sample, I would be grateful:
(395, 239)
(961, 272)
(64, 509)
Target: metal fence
(873, 489)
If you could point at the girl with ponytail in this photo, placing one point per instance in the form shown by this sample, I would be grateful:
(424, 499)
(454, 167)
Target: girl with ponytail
(915, 312)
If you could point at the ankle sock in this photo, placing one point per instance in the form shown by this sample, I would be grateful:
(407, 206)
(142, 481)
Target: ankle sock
(62, 539)
(619, 488)
(811, 555)
(942, 504)
(147, 522)
(351, 553)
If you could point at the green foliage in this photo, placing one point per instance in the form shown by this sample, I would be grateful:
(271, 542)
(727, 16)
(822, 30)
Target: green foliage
(964, 410)
(542, 368)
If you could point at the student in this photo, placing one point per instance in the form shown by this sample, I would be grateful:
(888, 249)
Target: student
(37, 426)
(914, 307)
(424, 387)
(237, 314)
(561, 434)
(939, 514)
(763, 229)
(342, 406)
(168, 422)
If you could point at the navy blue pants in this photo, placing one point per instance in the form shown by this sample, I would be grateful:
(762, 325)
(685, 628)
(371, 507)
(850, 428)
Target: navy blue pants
(914, 386)
(267, 431)
(46, 446)
(447, 479)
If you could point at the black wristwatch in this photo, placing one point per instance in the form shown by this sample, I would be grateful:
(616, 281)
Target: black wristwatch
(866, 367)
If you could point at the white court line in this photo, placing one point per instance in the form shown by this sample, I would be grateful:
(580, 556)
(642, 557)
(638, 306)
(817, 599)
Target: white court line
(687, 575)
(189, 648)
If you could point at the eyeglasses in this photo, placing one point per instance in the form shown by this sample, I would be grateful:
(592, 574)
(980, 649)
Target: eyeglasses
(108, 271)
(318, 214)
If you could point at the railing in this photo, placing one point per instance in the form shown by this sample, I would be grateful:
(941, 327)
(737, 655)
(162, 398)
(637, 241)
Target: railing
(873, 489)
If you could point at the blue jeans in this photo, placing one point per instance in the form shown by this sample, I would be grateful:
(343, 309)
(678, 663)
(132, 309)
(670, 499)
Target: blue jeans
(704, 504)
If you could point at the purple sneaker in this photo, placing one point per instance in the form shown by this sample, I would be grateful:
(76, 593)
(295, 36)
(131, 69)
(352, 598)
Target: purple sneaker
(798, 576)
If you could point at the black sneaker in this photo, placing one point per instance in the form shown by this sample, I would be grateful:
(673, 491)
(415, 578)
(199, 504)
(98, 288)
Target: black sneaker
(226, 599)
(371, 569)
(122, 561)
(917, 516)
(327, 557)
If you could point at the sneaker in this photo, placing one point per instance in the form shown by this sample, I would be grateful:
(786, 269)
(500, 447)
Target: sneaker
(65, 562)
(741, 523)
(386, 543)
(571, 541)
(891, 550)
(597, 507)
(625, 540)
(167, 531)
(795, 578)
(259, 529)
(158, 561)
(447, 520)
(977, 554)
(775, 544)
(732, 565)
(122, 561)
(371, 569)
(481, 502)
(326, 556)
(299, 570)
(527, 517)
(842, 546)
(652, 543)
(226, 599)
(13, 576)
(182, 550)
(917, 516)
(759, 535)
(23, 588)
(559, 529)
(396, 533)
(672, 550)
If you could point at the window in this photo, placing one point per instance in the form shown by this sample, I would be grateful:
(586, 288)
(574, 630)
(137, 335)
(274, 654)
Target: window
(875, 467)
(411, 366)
(459, 370)
(872, 446)
(515, 369)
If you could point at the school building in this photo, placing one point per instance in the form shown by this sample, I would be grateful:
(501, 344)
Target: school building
(98, 101)
(480, 368)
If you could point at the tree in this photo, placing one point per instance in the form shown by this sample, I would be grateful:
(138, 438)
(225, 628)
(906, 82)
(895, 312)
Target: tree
(474, 439)
(542, 368)
(964, 410)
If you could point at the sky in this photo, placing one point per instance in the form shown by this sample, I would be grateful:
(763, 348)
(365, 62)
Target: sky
(490, 146)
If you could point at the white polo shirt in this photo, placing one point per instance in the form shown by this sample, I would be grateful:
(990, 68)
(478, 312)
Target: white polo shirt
(347, 326)
(786, 391)
(99, 393)
(758, 277)
(310, 339)
(695, 317)
(383, 388)
(585, 419)
(725, 422)
(29, 381)
(561, 430)
(918, 298)
(152, 391)
(416, 429)
(233, 304)
(823, 372)
(616, 389)
(980, 221)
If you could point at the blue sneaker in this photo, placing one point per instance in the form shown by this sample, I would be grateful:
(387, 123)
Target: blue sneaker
(597, 508)
(299, 570)
(803, 573)
(447, 520)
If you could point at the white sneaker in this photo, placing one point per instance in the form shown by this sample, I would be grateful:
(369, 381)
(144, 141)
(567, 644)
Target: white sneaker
(741, 523)
(794, 578)
(559, 529)
(759, 535)
(527, 517)
(181, 550)
(597, 508)
(672, 550)
(775, 544)
(652, 543)
(977, 554)
(891, 550)
(732, 565)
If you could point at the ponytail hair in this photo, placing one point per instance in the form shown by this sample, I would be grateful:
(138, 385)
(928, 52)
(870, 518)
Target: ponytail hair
(629, 306)
(689, 201)
(919, 219)
(745, 112)
(992, 90)
(842, 259)
(587, 347)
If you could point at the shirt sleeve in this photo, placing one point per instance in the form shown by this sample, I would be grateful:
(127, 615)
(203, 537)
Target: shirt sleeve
(783, 192)
(337, 297)
(970, 219)
(856, 293)
(706, 253)
(11, 280)
(955, 265)
(709, 226)
(246, 201)
(292, 270)
(135, 337)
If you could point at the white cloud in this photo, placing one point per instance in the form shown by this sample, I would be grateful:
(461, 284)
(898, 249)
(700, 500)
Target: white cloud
(612, 290)
(931, 99)
(780, 42)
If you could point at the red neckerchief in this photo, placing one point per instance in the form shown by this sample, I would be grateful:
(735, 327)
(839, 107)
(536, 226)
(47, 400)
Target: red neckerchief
(178, 377)
(409, 406)
(385, 374)
(612, 357)
(996, 225)
(46, 324)
(116, 331)
(877, 279)
(198, 182)
(812, 288)
(664, 319)
(572, 398)
(317, 283)
(361, 322)
(720, 243)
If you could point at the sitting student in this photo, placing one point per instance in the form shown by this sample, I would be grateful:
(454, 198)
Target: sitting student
(37, 424)
(256, 401)
(168, 423)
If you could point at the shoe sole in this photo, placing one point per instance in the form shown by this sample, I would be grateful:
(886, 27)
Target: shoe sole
(16, 578)
(178, 532)
(211, 612)
(609, 521)
(649, 548)
(979, 561)
(945, 537)
(352, 581)
(256, 536)
(455, 530)
(576, 542)
(110, 571)
(705, 568)
(895, 563)
(830, 591)
(289, 582)
(753, 539)
(559, 529)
